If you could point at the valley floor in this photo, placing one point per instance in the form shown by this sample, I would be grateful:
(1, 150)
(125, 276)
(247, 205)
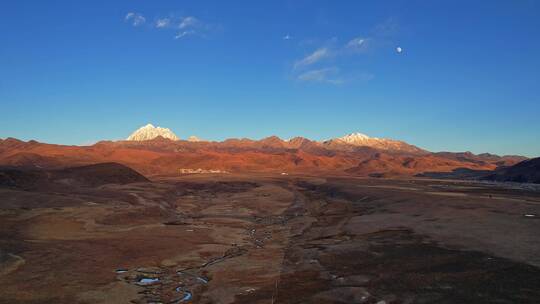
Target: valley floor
(271, 239)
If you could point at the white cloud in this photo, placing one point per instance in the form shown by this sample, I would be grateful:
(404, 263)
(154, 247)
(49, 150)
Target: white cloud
(191, 26)
(326, 75)
(338, 54)
(129, 16)
(358, 44)
(312, 58)
(184, 26)
(184, 34)
(189, 22)
(135, 19)
(163, 23)
(287, 37)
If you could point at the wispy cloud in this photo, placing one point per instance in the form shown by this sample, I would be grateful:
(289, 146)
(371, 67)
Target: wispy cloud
(190, 26)
(358, 44)
(135, 19)
(163, 23)
(184, 34)
(312, 58)
(315, 66)
(189, 22)
(287, 37)
(325, 75)
(183, 26)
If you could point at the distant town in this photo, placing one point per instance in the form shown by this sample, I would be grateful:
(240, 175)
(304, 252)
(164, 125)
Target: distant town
(201, 171)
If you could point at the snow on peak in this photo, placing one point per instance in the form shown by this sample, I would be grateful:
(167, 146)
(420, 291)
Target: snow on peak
(149, 132)
(362, 140)
(355, 138)
(194, 138)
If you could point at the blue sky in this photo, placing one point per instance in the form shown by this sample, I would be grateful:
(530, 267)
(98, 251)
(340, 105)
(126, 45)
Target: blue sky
(467, 78)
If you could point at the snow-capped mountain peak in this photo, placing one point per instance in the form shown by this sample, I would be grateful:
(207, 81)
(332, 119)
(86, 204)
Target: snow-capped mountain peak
(363, 140)
(356, 138)
(194, 138)
(149, 132)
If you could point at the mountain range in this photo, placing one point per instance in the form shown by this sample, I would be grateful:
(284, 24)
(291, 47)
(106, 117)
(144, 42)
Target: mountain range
(154, 150)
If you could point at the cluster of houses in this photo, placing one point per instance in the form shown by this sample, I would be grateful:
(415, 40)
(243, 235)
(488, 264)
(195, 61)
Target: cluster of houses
(200, 171)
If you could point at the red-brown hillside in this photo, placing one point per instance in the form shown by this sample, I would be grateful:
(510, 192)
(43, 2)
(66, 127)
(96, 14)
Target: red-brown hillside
(298, 155)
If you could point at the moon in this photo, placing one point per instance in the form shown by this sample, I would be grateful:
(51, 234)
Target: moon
(399, 49)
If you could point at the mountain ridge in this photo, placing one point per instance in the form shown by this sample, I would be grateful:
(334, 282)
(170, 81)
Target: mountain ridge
(271, 154)
(157, 150)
